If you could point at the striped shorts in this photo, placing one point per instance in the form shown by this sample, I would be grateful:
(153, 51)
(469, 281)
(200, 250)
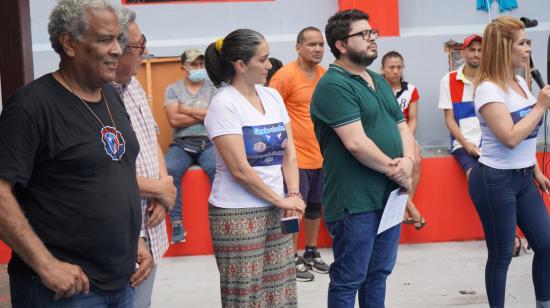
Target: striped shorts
(255, 261)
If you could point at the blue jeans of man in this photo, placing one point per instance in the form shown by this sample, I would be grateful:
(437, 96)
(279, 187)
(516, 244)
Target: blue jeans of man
(178, 160)
(27, 291)
(504, 199)
(362, 260)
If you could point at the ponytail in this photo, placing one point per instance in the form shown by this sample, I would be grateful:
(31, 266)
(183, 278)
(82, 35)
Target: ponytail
(240, 44)
(219, 71)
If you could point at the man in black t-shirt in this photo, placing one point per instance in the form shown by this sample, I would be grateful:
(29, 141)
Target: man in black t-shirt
(69, 200)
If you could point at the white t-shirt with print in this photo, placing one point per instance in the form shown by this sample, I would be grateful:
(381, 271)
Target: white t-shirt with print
(495, 154)
(264, 137)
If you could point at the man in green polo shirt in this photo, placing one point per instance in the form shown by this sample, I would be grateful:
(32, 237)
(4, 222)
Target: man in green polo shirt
(368, 151)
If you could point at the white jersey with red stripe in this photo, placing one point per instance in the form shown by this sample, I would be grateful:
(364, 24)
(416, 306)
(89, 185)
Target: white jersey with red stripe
(407, 95)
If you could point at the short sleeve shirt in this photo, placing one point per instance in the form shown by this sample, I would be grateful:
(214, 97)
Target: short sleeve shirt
(456, 92)
(75, 181)
(296, 90)
(264, 139)
(177, 93)
(494, 153)
(342, 98)
(406, 96)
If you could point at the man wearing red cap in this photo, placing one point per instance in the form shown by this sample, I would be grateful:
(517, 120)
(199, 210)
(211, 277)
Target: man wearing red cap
(456, 99)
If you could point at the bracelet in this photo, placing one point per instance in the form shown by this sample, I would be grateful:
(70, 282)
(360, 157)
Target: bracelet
(412, 159)
(294, 194)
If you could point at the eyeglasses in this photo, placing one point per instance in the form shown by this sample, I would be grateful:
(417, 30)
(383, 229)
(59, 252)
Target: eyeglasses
(366, 34)
(140, 47)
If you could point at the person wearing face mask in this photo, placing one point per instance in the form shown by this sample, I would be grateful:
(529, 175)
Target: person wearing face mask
(185, 104)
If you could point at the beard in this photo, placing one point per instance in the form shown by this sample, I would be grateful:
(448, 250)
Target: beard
(361, 57)
(473, 65)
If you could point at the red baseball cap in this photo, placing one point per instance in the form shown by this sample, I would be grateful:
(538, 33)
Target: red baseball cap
(470, 39)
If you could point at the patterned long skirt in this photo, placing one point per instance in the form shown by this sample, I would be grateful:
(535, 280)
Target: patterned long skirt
(255, 261)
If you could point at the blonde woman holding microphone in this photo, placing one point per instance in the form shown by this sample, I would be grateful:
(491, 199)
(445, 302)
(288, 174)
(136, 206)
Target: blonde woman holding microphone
(502, 186)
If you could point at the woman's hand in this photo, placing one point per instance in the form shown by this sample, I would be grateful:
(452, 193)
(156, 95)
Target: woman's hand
(293, 203)
(544, 97)
(292, 213)
(543, 181)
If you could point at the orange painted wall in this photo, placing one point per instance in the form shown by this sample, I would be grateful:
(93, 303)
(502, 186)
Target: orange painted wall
(155, 75)
(384, 14)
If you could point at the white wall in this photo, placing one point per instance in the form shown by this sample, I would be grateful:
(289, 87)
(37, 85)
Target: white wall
(171, 28)
(425, 26)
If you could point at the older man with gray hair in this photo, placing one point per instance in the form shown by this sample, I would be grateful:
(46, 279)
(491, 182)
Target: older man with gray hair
(69, 198)
(155, 185)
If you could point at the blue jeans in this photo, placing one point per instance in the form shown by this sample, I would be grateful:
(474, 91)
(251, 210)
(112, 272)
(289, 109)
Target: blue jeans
(178, 161)
(27, 291)
(362, 260)
(504, 198)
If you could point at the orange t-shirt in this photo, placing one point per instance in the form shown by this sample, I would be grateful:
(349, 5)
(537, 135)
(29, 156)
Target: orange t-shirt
(296, 89)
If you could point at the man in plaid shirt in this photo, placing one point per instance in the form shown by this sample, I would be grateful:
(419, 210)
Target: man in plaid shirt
(156, 186)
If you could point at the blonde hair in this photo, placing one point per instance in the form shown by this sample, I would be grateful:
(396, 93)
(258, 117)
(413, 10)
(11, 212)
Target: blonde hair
(496, 51)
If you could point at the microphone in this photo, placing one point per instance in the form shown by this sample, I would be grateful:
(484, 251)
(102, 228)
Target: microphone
(537, 77)
(529, 23)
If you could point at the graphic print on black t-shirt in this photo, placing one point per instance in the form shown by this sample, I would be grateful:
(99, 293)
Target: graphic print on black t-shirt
(265, 144)
(113, 142)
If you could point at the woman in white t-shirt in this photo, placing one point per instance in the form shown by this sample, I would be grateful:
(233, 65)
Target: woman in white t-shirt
(502, 186)
(250, 129)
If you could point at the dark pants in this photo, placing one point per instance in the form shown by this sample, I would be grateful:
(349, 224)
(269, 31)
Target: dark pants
(27, 291)
(311, 189)
(362, 260)
(504, 198)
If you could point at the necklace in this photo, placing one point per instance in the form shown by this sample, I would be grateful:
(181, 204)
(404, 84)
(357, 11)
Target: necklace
(113, 141)
(88, 107)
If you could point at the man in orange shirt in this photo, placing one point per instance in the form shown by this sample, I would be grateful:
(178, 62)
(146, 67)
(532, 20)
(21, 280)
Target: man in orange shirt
(296, 82)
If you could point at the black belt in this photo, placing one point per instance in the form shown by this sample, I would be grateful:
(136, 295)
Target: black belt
(519, 171)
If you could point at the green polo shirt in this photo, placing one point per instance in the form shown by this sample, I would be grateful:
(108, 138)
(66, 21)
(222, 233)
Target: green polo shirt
(341, 98)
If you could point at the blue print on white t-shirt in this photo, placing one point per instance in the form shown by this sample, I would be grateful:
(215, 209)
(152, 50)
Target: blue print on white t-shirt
(522, 113)
(265, 144)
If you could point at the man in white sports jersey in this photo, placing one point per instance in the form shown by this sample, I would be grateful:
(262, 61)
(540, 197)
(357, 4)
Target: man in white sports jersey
(456, 99)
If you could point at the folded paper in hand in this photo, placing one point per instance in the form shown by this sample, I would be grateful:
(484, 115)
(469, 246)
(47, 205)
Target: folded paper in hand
(394, 210)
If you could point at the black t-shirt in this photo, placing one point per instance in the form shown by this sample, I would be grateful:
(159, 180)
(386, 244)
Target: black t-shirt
(75, 182)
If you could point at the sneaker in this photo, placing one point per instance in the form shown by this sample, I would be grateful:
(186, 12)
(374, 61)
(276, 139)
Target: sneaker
(302, 273)
(178, 234)
(316, 263)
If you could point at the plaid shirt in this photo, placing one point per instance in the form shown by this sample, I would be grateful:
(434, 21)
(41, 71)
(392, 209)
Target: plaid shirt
(147, 163)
